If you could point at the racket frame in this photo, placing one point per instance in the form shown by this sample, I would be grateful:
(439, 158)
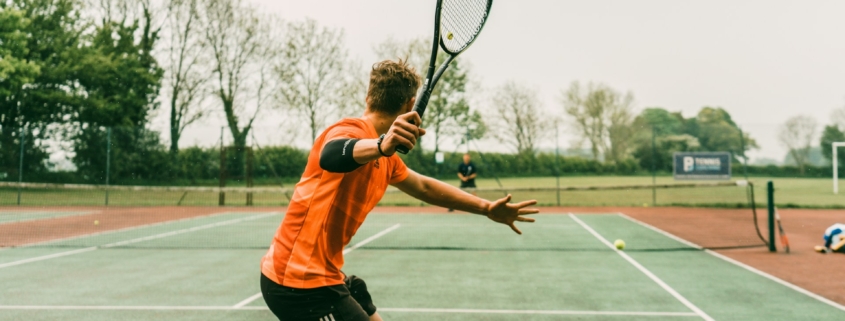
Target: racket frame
(432, 74)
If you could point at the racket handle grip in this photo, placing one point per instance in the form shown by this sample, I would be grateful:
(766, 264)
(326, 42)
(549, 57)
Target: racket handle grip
(419, 107)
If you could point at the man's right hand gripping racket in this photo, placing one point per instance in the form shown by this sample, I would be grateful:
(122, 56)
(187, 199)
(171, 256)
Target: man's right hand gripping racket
(457, 24)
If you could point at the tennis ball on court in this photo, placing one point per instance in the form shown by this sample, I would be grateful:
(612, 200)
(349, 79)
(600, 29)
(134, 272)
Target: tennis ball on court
(620, 244)
(96, 222)
(449, 36)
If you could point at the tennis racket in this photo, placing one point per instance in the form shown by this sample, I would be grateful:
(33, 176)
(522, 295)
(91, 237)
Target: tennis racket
(783, 239)
(457, 24)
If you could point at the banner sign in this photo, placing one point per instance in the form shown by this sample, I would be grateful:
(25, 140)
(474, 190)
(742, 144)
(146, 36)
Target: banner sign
(702, 165)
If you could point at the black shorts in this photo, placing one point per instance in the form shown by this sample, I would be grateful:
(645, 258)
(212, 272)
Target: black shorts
(346, 302)
(468, 185)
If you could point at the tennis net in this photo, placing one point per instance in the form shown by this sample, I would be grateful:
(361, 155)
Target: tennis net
(73, 216)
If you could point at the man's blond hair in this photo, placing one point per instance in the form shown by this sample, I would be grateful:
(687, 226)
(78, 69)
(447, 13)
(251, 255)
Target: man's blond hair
(392, 84)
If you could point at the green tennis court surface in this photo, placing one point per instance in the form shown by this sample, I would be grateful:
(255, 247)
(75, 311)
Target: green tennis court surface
(417, 266)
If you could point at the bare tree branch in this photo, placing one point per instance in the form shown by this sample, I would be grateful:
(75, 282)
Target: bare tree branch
(241, 42)
(601, 116)
(185, 58)
(317, 80)
(798, 134)
(521, 121)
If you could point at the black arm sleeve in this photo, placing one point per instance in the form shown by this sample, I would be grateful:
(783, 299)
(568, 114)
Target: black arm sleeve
(337, 156)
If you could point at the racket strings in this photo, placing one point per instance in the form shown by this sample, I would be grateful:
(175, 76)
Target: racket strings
(461, 22)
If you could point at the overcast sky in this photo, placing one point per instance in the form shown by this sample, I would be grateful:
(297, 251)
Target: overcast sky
(763, 61)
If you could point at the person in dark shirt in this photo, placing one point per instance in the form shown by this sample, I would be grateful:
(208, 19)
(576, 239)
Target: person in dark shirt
(467, 174)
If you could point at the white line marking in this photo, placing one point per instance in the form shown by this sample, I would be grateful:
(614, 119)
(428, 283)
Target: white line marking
(141, 239)
(371, 238)
(188, 230)
(121, 230)
(345, 251)
(552, 312)
(247, 301)
(47, 257)
(740, 264)
(118, 307)
(645, 271)
(411, 310)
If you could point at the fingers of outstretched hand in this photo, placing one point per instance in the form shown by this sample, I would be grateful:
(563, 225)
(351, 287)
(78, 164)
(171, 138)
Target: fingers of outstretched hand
(525, 219)
(526, 211)
(499, 202)
(525, 204)
(513, 227)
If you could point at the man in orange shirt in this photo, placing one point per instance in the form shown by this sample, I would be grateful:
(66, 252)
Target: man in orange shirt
(349, 168)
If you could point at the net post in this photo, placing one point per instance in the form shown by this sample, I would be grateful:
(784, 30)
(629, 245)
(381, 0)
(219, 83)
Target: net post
(835, 161)
(22, 138)
(770, 192)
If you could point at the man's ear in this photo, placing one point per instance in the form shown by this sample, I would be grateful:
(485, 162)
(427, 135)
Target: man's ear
(410, 105)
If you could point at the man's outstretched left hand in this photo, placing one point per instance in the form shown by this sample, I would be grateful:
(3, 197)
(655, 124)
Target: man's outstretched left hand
(503, 212)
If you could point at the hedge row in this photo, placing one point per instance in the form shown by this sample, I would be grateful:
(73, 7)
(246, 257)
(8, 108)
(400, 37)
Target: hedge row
(201, 166)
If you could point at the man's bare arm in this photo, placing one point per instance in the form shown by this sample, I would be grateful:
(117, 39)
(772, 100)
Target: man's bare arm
(435, 192)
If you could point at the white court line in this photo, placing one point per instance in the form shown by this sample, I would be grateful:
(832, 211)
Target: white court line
(551, 312)
(188, 230)
(345, 251)
(371, 238)
(141, 239)
(411, 310)
(47, 257)
(119, 230)
(740, 264)
(645, 271)
(247, 301)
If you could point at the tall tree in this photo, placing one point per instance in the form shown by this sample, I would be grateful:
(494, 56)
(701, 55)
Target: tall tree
(716, 131)
(317, 80)
(185, 76)
(40, 56)
(121, 79)
(241, 44)
(519, 117)
(670, 137)
(832, 134)
(797, 135)
(603, 117)
(448, 114)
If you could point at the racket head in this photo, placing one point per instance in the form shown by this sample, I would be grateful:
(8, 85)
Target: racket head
(461, 22)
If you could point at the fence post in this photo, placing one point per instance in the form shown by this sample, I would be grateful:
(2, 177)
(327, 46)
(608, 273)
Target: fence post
(557, 165)
(20, 163)
(108, 162)
(653, 167)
